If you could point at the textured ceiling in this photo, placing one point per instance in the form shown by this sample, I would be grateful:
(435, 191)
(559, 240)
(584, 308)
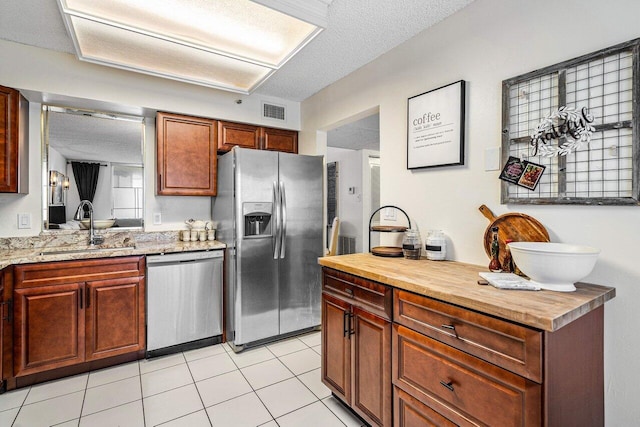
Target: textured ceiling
(358, 31)
(363, 134)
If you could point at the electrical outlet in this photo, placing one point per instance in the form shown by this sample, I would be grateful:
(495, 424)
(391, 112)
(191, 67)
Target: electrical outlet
(157, 218)
(24, 220)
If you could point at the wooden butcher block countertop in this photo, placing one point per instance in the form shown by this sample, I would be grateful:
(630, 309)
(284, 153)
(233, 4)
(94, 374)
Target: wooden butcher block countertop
(456, 283)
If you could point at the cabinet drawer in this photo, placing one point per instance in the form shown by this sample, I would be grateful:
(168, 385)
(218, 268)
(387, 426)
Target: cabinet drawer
(460, 386)
(51, 273)
(511, 346)
(375, 297)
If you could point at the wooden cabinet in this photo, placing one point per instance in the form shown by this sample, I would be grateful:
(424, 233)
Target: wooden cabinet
(250, 136)
(453, 366)
(186, 155)
(280, 140)
(14, 140)
(237, 134)
(356, 342)
(70, 312)
(472, 369)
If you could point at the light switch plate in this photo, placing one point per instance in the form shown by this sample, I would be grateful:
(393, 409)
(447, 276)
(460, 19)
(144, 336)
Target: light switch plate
(390, 214)
(24, 220)
(492, 159)
(157, 218)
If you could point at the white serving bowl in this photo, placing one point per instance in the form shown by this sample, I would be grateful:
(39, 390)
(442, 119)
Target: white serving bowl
(99, 223)
(554, 266)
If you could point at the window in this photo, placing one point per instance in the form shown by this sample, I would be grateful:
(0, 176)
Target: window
(605, 171)
(127, 191)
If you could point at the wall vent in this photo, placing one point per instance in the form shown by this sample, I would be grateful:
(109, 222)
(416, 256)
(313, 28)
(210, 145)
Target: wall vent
(346, 245)
(271, 111)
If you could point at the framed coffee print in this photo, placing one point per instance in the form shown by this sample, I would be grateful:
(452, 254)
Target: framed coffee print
(435, 127)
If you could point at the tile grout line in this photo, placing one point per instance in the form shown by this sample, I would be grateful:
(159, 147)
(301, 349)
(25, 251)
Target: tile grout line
(195, 385)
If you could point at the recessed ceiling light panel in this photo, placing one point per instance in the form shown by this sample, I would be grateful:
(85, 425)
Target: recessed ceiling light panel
(228, 44)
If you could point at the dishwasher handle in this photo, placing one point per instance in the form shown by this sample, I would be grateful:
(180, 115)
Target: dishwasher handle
(184, 257)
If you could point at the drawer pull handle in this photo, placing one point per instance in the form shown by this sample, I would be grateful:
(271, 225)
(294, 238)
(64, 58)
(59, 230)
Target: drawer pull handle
(452, 328)
(349, 291)
(448, 385)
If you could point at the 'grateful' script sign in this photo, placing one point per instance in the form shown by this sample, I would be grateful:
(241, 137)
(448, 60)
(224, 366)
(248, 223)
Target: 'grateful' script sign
(566, 122)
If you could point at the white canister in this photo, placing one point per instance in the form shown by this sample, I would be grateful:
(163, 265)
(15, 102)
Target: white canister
(211, 234)
(185, 235)
(436, 245)
(194, 235)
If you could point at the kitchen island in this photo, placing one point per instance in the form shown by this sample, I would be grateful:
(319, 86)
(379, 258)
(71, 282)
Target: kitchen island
(413, 342)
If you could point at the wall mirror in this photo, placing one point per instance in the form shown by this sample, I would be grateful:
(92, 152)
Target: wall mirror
(96, 156)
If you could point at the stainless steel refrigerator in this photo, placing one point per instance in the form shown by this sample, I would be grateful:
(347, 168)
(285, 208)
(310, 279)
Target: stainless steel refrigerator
(269, 214)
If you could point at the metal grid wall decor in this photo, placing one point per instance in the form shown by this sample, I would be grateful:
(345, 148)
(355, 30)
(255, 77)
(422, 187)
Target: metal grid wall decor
(607, 169)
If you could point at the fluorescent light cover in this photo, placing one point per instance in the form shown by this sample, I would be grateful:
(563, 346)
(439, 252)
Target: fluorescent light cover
(229, 44)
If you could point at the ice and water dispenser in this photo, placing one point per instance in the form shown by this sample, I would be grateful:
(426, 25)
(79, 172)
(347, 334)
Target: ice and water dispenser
(257, 219)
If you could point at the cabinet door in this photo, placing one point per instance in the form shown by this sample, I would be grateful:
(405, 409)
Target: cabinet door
(371, 367)
(186, 155)
(280, 140)
(14, 174)
(232, 134)
(48, 327)
(114, 311)
(336, 347)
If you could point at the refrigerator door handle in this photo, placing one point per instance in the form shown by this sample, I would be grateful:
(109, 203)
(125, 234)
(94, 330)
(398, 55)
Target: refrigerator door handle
(283, 208)
(276, 212)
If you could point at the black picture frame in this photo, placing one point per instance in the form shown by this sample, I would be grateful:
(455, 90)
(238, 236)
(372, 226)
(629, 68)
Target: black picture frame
(436, 127)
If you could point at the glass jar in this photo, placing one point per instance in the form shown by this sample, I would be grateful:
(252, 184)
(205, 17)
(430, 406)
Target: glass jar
(411, 244)
(436, 245)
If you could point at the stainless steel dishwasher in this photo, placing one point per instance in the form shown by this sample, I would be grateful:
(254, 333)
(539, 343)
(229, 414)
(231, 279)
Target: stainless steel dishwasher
(184, 301)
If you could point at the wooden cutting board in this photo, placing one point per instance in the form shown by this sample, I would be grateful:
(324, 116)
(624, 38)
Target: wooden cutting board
(516, 226)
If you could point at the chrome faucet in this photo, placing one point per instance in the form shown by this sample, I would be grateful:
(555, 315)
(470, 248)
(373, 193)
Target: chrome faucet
(94, 239)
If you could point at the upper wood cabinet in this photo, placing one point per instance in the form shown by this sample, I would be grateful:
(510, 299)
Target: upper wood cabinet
(231, 134)
(14, 140)
(186, 155)
(280, 140)
(250, 136)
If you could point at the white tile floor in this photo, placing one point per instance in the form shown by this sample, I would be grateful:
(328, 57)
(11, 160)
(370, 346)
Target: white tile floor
(269, 386)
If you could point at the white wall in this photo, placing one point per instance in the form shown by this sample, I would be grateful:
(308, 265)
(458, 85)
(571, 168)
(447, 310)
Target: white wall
(48, 76)
(485, 43)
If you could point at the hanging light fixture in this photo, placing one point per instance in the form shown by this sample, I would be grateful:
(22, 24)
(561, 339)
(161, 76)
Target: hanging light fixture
(226, 44)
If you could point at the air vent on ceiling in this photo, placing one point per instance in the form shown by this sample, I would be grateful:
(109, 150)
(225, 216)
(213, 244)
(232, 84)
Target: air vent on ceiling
(271, 111)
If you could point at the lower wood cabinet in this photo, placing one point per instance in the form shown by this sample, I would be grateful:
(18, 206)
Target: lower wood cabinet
(452, 366)
(356, 358)
(70, 312)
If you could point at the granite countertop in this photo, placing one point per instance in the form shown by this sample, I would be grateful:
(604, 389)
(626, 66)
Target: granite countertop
(456, 283)
(84, 251)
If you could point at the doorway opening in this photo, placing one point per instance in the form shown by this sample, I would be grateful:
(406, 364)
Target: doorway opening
(353, 179)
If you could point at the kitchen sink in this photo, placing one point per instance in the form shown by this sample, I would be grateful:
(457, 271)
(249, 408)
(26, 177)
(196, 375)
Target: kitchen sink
(83, 250)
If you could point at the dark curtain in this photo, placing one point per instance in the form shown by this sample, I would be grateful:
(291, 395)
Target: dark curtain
(86, 176)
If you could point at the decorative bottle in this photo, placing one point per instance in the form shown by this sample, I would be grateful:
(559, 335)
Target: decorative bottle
(507, 263)
(436, 245)
(411, 244)
(494, 265)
